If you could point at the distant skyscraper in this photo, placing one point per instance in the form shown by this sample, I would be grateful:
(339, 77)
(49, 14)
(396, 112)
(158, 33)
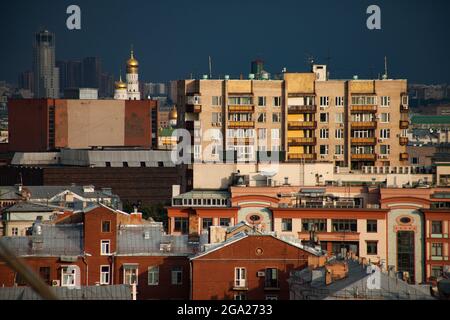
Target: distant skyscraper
(46, 75)
(106, 86)
(74, 73)
(92, 71)
(26, 80)
(62, 67)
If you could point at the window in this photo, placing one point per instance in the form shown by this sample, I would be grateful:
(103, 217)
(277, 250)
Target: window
(216, 101)
(206, 223)
(104, 274)
(437, 271)
(372, 226)
(286, 224)
(143, 165)
(68, 276)
(339, 117)
(385, 101)
(271, 297)
(339, 101)
(19, 280)
(181, 225)
(197, 151)
(216, 117)
(262, 117)
(275, 134)
(324, 149)
(44, 272)
(324, 134)
(224, 222)
(130, 274)
(320, 224)
(177, 275)
(385, 149)
(339, 134)
(262, 134)
(324, 117)
(364, 100)
(105, 247)
(240, 276)
(436, 249)
(106, 226)
(339, 149)
(436, 227)
(276, 117)
(261, 101)
(277, 101)
(372, 247)
(385, 117)
(271, 279)
(153, 276)
(324, 101)
(108, 164)
(344, 225)
(385, 133)
(240, 296)
(14, 232)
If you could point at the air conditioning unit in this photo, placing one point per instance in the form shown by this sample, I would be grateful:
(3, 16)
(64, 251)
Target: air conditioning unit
(261, 274)
(56, 283)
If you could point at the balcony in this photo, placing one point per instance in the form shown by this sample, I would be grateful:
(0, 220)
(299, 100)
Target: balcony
(404, 124)
(296, 142)
(403, 141)
(194, 108)
(364, 141)
(301, 109)
(364, 125)
(193, 100)
(241, 109)
(242, 141)
(404, 157)
(363, 109)
(364, 157)
(404, 108)
(302, 125)
(302, 156)
(241, 124)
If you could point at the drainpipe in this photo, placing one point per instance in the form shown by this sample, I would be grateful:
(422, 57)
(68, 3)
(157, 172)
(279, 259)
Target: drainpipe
(87, 267)
(113, 256)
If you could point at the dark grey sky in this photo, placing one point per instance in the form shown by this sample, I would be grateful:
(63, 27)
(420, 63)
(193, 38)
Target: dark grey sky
(174, 38)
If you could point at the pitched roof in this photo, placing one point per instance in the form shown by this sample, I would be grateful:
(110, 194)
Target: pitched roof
(27, 206)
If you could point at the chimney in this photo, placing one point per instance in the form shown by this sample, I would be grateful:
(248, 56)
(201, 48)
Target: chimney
(176, 190)
(136, 216)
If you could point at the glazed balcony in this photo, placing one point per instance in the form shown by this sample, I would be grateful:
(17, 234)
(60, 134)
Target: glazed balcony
(296, 142)
(364, 157)
(364, 125)
(363, 141)
(404, 157)
(404, 124)
(241, 109)
(302, 125)
(241, 124)
(302, 156)
(193, 108)
(403, 141)
(242, 141)
(301, 109)
(193, 100)
(363, 109)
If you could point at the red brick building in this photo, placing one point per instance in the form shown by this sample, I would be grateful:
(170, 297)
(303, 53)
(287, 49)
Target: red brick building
(248, 266)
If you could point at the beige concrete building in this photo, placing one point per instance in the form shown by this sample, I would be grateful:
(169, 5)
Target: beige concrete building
(308, 118)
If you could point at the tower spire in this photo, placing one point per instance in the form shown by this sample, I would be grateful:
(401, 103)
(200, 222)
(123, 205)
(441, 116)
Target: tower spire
(132, 52)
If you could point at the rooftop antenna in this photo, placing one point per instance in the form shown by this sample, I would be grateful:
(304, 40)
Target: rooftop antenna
(310, 60)
(328, 60)
(210, 67)
(385, 68)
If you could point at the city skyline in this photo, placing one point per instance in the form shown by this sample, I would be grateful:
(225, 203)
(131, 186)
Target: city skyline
(173, 41)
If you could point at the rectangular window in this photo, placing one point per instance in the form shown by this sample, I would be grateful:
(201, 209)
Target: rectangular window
(216, 117)
(385, 149)
(261, 101)
(364, 100)
(339, 117)
(105, 247)
(14, 232)
(324, 134)
(436, 227)
(104, 274)
(319, 224)
(44, 272)
(224, 222)
(339, 134)
(240, 277)
(372, 226)
(339, 149)
(262, 134)
(240, 296)
(372, 247)
(324, 117)
(276, 117)
(344, 225)
(153, 276)
(385, 118)
(206, 223)
(324, 149)
(324, 101)
(181, 225)
(130, 275)
(436, 249)
(437, 271)
(271, 279)
(385, 133)
(339, 101)
(277, 101)
(385, 101)
(177, 275)
(106, 226)
(68, 276)
(216, 100)
(262, 117)
(286, 224)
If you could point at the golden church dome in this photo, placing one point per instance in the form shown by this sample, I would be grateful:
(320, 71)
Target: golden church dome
(173, 114)
(120, 84)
